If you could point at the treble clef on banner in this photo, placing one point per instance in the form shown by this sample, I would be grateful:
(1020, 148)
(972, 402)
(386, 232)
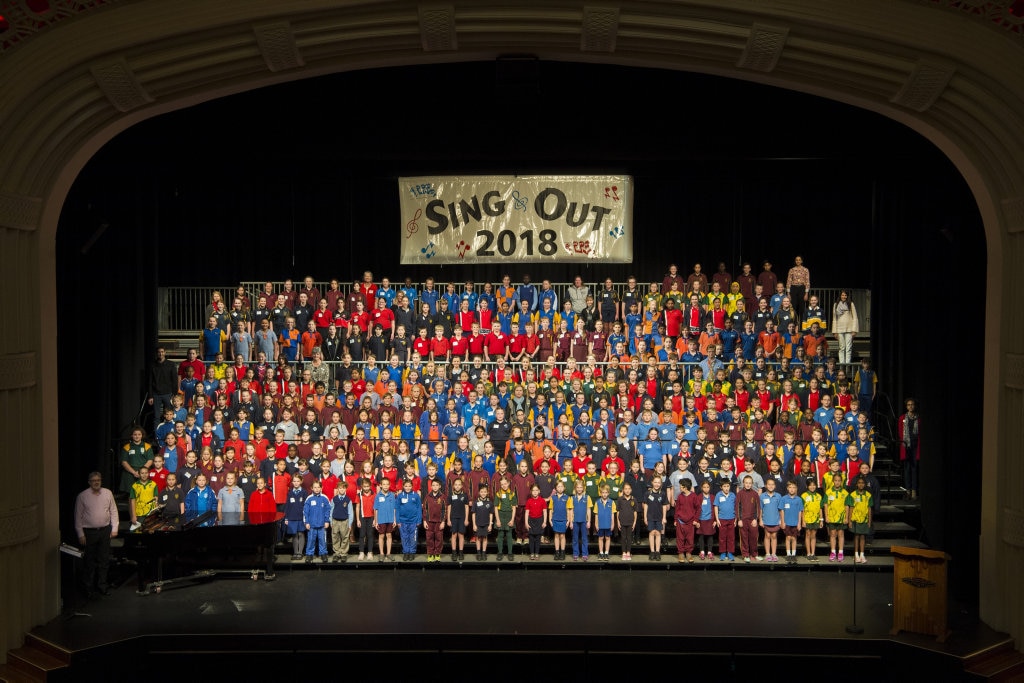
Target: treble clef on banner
(412, 226)
(520, 202)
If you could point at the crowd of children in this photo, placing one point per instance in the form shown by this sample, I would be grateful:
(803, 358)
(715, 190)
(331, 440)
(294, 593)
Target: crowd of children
(504, 415)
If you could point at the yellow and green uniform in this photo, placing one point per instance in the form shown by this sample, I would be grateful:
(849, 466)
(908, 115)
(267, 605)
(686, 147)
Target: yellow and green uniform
(812, 507)
(835, 506)
(568, 480)
(591, 484)
(144, 496)
(859, 503)
(614, 485)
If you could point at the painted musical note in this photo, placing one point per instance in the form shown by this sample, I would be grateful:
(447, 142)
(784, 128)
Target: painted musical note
(413, 225)
(617, 232)
(429, 250)
(462, 248)
(612, 192)
(519, 203)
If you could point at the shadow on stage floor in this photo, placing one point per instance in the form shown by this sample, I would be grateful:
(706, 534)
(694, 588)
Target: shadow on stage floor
(511, 622)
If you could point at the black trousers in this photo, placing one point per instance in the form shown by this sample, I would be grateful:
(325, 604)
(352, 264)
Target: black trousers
(96, 558)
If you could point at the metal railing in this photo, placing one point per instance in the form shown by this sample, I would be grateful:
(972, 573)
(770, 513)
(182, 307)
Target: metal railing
(183, 310)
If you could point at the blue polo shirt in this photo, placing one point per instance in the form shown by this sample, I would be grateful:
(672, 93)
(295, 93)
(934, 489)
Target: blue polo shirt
(726, 504)
(604, 510)
(384, 504)
(771, 508)
(792, 506)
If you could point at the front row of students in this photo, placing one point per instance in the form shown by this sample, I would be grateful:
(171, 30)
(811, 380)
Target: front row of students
(699, 517)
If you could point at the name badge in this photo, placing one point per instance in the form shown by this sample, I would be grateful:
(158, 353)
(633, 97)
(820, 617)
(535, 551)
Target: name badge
(455, 497)
(787, 506)
(292, 499)
(721, 499)
(404, 500)
(312, 503)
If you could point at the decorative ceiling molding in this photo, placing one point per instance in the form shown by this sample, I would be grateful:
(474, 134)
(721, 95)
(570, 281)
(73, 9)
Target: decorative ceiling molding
(600, 29)
(19, 213)
(437, 28)
(120, 85)
(924, 85)
(764, 47)
(277, 45)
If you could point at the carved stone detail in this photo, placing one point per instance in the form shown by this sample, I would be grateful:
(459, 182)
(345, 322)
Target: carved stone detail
(277, 45)
(924, 85)
(118, 83)
(19, 526)
(600, 29)
(437, 28)
(764, 47)
(19, 213)
(1013, 376)
(1013, 527)
(17, 371)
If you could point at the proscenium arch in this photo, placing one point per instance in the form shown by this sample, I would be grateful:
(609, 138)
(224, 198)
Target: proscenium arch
(73, 87)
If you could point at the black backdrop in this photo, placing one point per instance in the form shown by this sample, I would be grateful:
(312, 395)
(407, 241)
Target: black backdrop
(301, 179)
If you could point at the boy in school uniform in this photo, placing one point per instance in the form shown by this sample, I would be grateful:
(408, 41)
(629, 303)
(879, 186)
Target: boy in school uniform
(483, 522)
(725, 519)
(294, 525)
(793, 519)
(384, 516)
(605, 511)
(316, 516)
(434, 512)
(409, 516)
(341, 523)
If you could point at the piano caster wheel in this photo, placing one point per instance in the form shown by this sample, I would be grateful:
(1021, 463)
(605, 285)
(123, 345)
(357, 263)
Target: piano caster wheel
(157, 590)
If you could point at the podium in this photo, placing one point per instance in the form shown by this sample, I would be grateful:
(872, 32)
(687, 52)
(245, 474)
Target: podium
(919, 591)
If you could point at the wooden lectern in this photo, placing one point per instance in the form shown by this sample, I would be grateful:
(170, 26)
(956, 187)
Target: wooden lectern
(919, 591)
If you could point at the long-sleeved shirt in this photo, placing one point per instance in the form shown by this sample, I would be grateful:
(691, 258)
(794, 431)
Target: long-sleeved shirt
(95, 510)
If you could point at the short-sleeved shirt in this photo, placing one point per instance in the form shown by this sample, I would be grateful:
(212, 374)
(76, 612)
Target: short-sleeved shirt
(655, 501)
(384, 505)
(144, 496)
(835, 506)
(457, 505)
(771, 508)
(605, 511)
(812, 507)
(231, 499)
(792, 506)
(482, 510)
(861, 504)
(726, 504)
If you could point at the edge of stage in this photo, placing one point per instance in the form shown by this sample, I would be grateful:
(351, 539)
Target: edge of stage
(603, 621)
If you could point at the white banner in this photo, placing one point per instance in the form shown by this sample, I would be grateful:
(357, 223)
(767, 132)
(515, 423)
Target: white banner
(480, 219)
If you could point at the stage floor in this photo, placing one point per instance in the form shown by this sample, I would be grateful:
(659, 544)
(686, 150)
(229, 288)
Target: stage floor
(608, 620)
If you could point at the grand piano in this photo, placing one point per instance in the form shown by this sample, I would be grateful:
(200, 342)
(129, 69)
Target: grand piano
(170, 545)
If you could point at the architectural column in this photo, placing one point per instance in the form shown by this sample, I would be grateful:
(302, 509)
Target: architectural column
(28, 531)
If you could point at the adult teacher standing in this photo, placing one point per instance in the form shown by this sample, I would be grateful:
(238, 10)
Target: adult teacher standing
(798, 282)
(95, 524)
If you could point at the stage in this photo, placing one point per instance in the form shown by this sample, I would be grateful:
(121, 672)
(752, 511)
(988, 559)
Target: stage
(513, 620)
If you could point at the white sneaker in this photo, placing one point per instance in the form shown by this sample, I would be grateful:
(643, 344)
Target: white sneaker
(134, 526)
(362, 556)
